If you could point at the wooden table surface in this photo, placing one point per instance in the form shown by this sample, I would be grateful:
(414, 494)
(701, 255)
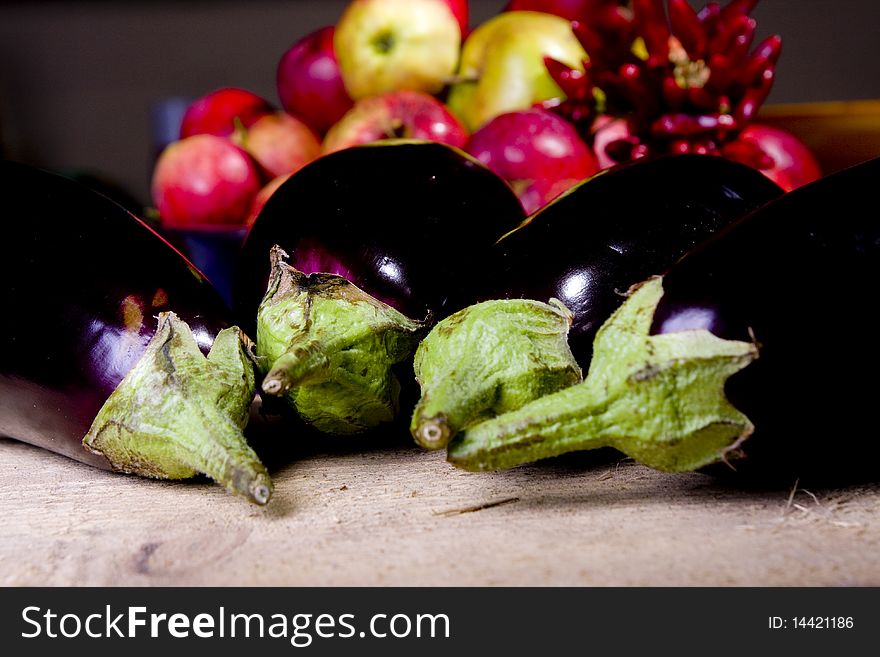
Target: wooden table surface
(350, 513)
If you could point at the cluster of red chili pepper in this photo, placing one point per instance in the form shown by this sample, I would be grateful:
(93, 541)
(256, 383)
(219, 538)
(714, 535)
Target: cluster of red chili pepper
(686, 81)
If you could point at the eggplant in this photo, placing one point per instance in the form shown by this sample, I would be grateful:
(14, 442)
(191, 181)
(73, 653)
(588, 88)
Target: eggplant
(585, 249)
(754, 353)
(380, 238)
(800, 278)
(406, 222)
(87, 371)
(618, 228)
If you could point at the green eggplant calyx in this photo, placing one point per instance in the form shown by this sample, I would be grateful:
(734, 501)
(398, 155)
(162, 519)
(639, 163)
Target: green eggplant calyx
(178, 413)
(328, 347)
(657, 398)
(489, 359)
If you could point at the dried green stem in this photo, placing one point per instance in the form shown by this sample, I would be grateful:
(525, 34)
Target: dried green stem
(328, 348)
(658, 398)
(489, 359)
(178, 413)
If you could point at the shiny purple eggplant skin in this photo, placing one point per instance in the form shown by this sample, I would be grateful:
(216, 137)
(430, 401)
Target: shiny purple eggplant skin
(801, 277)
(81, 283)
(409, 223)
(618, 228)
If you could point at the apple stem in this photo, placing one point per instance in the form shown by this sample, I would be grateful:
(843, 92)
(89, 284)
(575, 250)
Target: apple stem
(457, 79)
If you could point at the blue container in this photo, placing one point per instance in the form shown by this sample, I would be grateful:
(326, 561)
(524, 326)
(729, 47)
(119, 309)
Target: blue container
(213, 250)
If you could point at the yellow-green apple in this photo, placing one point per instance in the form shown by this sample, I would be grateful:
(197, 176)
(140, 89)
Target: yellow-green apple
(462, 14)
(204, 180)
(502, 65)
(309, 82)
(279, 143)
(537, 152)
(389, 45)
(397, 115)
(219, 112)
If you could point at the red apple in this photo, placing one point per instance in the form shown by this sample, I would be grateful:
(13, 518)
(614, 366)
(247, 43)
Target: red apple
(462, 14)
(402, 114)
(204, 180)
(309, 82)
(539, 153)
(778, 154)
(571, 9)
(216, 112)
(263, 196)
(540, 192)
(279, 143)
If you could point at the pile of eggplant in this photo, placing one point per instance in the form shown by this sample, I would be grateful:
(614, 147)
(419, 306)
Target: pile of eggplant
(681, 310)
(585, 250)
(351, 261)
(751, 355)
(117, 352)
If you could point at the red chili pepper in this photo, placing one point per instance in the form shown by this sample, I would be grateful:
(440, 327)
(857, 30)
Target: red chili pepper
(647, 91)
(727, 34)
(680, 147)
(702, 99)
(650, 21)
(687, 28)
(589, 38)
(572, 81)
(741, 37)
(623, 94)
(765, 55)
(720, 73)
(754, 97)
(737, 8)
(640, 151)
(614, 18)
(674, 95)
(709, 15)
(685, 125)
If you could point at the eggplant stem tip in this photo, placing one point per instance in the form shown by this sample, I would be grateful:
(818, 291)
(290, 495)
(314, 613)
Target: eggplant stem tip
(273, 387)
(433, 434)
(261, 493)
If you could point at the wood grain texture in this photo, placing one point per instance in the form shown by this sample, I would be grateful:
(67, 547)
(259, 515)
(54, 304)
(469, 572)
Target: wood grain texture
(393, 515)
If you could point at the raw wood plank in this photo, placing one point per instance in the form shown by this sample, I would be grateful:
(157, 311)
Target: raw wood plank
(399, 516)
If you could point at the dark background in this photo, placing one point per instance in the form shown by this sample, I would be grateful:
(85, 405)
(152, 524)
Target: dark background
(78, 80)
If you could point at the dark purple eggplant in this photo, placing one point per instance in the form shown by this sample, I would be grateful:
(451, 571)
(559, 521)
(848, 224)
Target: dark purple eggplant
(616, 229)
(408, 223)
(83, 282)
(754, 354)
(800, 277)
(585, 249)
(380, 238)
